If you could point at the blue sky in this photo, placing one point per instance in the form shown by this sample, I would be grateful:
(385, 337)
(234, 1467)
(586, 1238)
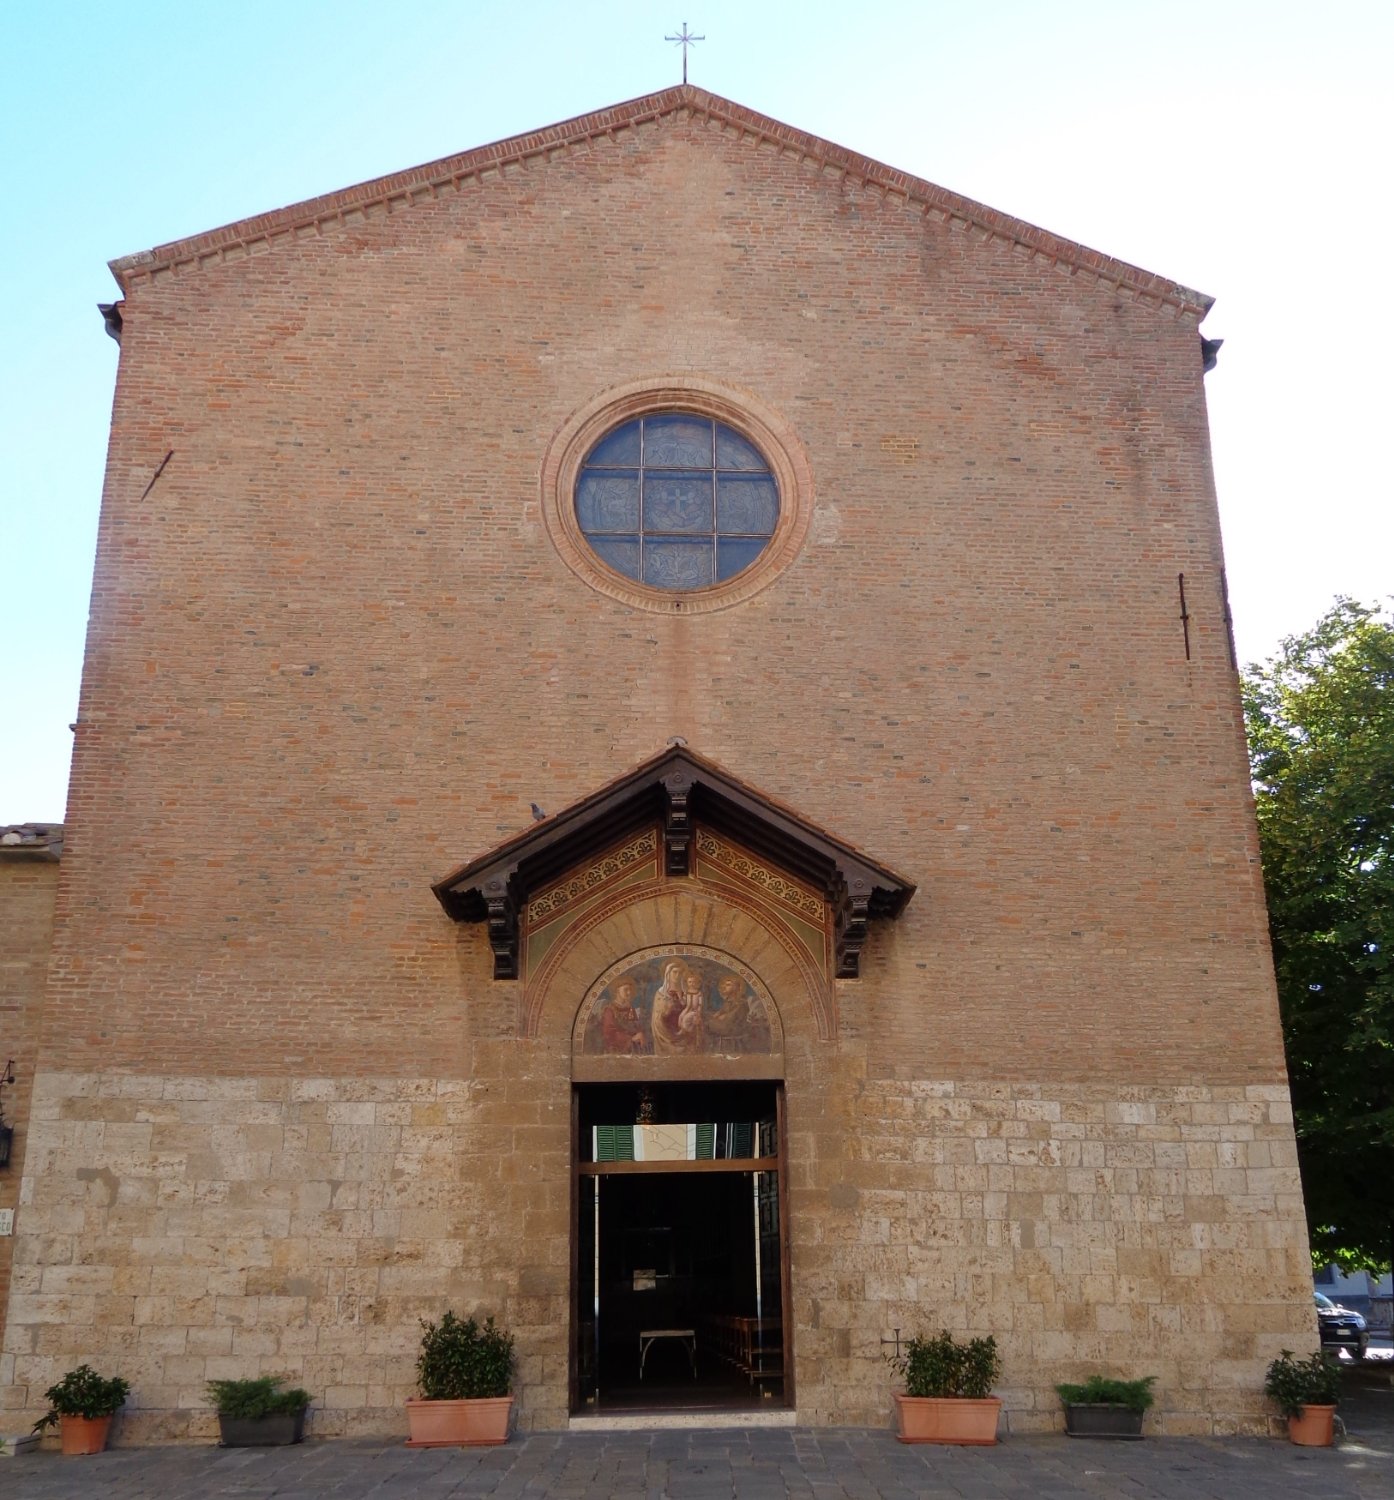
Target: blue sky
(1240, 148)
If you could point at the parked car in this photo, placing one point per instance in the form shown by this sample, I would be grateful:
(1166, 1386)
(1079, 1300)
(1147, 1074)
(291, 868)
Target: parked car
(1340, 1327)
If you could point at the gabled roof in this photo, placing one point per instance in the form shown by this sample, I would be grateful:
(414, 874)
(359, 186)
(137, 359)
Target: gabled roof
(401, 190)
(676, 788)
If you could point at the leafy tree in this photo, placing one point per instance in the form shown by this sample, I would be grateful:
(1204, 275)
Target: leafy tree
(1320, 717)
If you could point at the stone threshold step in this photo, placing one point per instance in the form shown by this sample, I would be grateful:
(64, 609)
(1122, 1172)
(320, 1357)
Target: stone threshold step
(669, 1421)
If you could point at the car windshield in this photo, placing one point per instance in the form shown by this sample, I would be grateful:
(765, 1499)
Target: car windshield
(1325, 1303)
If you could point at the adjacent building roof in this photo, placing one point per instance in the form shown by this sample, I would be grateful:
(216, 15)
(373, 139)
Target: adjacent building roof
(417, 184)
(31, 840)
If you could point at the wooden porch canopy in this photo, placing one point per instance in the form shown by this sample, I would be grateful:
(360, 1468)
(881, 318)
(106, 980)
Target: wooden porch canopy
(676, 790)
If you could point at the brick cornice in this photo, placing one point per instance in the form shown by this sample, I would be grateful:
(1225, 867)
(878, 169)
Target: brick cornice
(400, 190)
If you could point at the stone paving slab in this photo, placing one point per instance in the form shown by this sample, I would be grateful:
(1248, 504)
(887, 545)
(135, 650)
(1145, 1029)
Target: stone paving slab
(760, 1464)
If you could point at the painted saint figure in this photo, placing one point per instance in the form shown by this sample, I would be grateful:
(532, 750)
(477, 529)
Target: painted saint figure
(669, 1002)
(620, 1024)
(676, 1005)
(729, 1026)
(692, 1020)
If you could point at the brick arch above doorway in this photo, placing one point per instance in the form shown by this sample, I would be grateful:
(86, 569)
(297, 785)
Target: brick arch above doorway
(698, 918)
(783, 938)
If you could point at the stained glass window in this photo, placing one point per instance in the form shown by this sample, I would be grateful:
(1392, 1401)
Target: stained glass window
(676, 501)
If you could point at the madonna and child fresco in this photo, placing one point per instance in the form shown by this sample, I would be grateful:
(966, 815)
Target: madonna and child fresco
(676, 1005)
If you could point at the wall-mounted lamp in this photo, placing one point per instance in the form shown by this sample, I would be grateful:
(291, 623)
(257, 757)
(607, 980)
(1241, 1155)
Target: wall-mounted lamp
(7, 1133)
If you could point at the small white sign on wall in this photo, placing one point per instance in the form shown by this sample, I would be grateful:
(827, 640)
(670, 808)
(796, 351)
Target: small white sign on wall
(7, 1221)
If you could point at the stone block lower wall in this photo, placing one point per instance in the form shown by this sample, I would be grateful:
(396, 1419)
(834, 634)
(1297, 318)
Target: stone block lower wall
(1128, 1231)
(176, 1230)
(28, 889)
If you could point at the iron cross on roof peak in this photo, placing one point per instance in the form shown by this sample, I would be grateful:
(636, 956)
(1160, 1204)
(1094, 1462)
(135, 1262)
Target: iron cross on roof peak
(684, 39)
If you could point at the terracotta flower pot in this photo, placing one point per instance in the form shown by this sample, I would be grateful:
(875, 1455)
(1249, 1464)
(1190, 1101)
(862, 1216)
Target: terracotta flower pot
(1314, 1428)
(959, 1419)
(458, 1424)
(80, 1435)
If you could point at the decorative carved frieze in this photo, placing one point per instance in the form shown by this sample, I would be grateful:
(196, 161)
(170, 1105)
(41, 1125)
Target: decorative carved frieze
(582, 884)
(769, 880)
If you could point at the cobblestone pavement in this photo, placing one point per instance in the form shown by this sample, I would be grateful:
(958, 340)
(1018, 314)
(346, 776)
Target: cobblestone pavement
(760, 1464)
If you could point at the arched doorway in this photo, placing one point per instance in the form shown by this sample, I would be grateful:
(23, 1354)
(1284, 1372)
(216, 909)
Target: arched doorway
(681, 1266)
(680, 1278)
(681, 1233)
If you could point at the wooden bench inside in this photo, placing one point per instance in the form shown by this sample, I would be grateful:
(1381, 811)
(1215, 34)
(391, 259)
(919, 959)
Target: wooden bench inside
(755, 1346)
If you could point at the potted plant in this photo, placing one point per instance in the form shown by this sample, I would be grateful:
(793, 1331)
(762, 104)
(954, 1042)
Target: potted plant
(258, 1413)
(1102, 1407)
(465, 1375)
(947, 1386)
(1306, 1391)
(81, 1406)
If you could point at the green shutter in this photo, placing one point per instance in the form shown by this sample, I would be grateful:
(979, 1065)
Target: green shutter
(614, 1143)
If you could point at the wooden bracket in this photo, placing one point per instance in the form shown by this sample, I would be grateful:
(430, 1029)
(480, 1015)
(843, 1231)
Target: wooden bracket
(503, 927)
(852, 912)
(677, 824)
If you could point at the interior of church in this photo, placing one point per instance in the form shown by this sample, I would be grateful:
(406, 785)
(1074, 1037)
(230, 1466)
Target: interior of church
(679, 1276)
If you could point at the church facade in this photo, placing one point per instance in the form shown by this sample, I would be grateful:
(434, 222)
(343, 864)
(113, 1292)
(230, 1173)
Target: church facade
(659, 758)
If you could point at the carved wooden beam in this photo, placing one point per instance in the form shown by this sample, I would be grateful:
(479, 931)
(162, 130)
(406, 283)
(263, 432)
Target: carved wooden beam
(853, 911)
(677, 824)
(502, 911)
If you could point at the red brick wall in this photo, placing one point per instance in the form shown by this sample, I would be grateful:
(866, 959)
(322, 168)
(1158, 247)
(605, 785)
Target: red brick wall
(27, 887)
(333, 652)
